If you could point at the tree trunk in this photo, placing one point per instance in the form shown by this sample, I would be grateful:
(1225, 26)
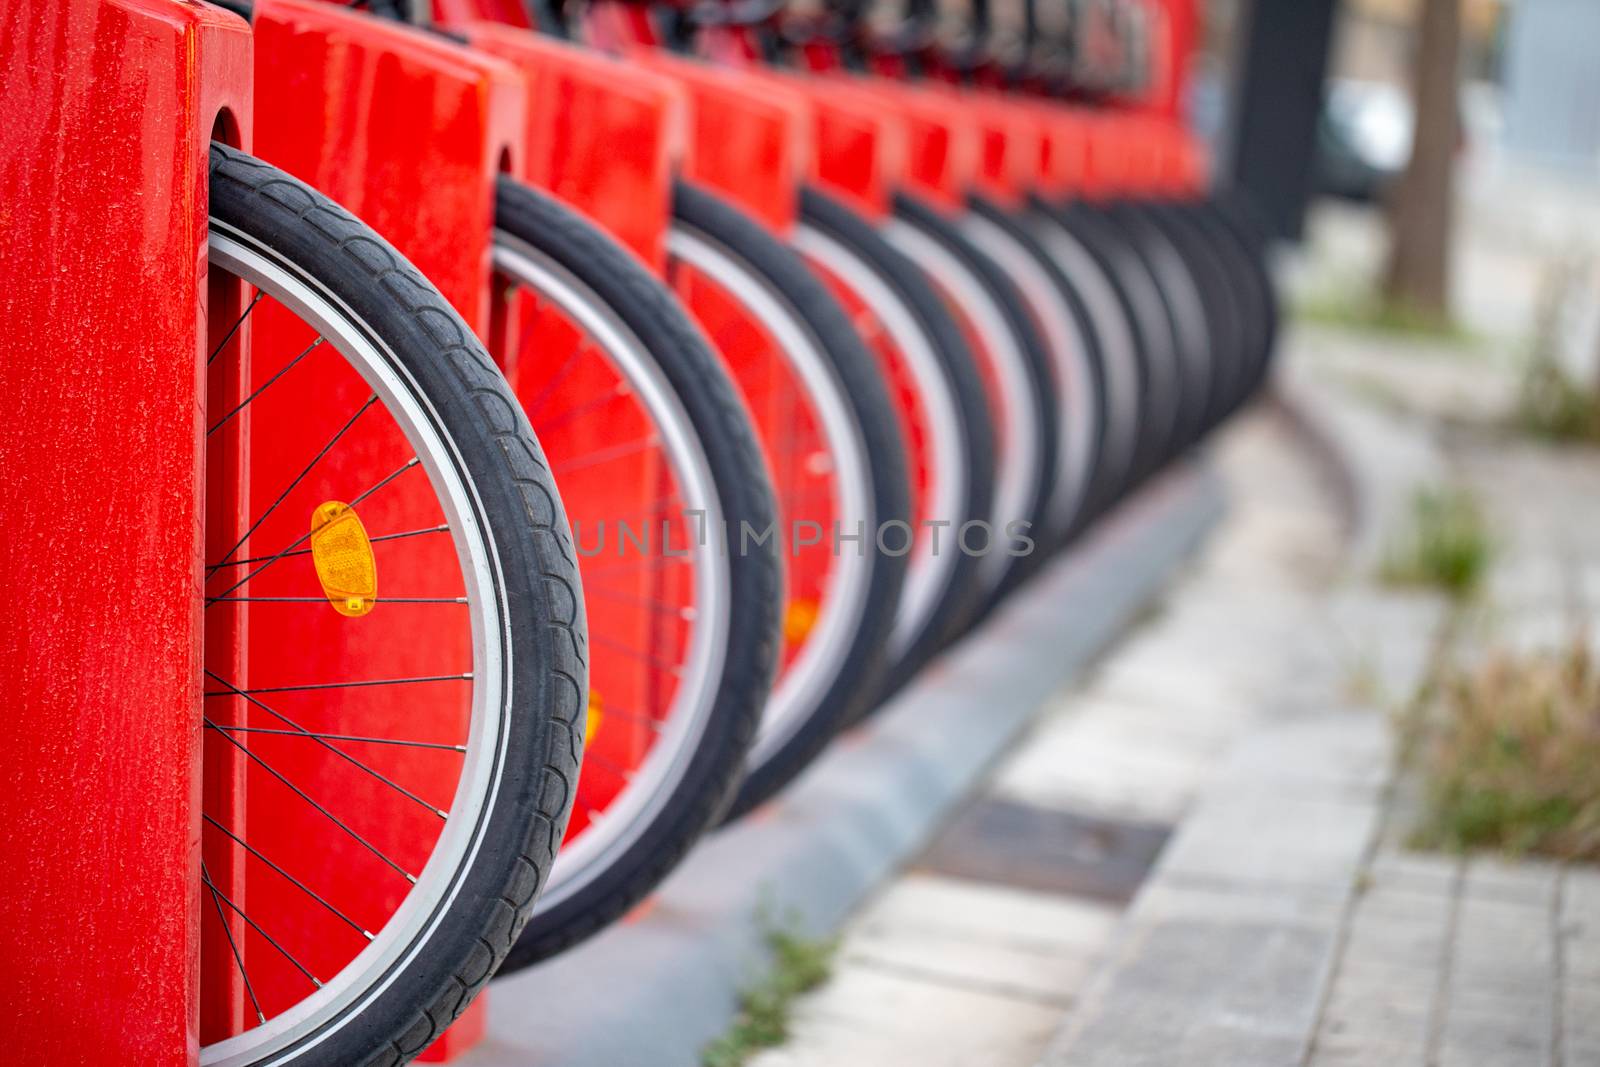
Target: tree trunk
(1418, 277)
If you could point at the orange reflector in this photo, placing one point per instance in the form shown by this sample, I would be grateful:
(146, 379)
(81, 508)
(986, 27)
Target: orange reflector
(342, 554)
(798, 620)
(591, 722)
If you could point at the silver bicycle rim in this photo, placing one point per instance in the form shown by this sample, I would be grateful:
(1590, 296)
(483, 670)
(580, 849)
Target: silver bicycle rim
(1188, 309)
(1017, 460)
(928, 575)
(1120, 359)
(408, 930)
(1069, 354)
(801, 688)
(612, 833)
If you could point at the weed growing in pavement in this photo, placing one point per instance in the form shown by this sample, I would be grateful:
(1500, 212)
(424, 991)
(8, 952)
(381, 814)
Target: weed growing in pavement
(1553, 403)
(1509, 752)
(1447, 546)
(1361, 310)
(799, 965)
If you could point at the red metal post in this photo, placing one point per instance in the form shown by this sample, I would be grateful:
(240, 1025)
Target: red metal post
(108, 110)
(601, 134)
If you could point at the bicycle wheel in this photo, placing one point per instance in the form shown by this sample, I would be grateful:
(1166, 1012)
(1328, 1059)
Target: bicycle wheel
(828, 430)
(392, 720)
(1076, 362)
(1014, 367)
(942, 417)
(1218, 280)
(1113, 322)
(661, 472)
(1235, 222)
(1154, 322)
(1192, 320)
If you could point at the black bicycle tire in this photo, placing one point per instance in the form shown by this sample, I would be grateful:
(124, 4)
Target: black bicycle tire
(1030, 346)
(645, 306)
(784, 277)
(1016, 227)
(328, 248)
(844, 225)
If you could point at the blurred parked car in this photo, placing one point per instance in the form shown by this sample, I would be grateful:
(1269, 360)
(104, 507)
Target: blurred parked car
(1363, 138)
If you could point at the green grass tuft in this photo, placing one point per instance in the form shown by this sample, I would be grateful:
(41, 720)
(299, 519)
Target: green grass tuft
(1364, 312)
(799, 965)
(1509, 759)
(1448, 546)
(1554, 406)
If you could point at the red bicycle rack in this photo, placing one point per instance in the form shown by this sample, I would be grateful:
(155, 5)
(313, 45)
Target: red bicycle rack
(101, 512)
(432, 196)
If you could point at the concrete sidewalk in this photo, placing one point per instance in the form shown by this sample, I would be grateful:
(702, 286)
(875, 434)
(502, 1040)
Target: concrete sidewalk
(655, 988)
(979, 963)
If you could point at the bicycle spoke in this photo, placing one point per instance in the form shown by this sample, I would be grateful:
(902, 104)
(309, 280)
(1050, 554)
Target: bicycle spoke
(235, 327)
(588, 407)
(648, 563)
(371, 400)
(306, 551)
(341, 753)
(312, 347)
(219, 894)
(205, 876)
(340, 685)
(331, 737)
(606, 455)
(303, 538)
(568, 364)
(660, 607)
(286, 876)
(651, 722)
(643, 657)
(330, 816)
(324, 600)
(590, 758)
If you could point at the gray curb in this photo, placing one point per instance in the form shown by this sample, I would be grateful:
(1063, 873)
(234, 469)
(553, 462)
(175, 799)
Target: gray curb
(654, 989)
(1375, 464)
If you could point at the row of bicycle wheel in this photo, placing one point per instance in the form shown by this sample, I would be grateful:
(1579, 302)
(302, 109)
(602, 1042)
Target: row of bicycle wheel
(498, 626)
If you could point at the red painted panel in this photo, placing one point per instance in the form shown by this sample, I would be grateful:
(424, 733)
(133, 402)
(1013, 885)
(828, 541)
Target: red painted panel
(751, 135)
(602, 134)
(1175, 28)
(411, 132)
(943, 137)
(1011, 149)
(108, 109)
(1064, 148)
(860, 154)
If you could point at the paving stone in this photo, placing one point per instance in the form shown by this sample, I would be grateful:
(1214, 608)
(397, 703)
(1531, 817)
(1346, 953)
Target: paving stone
(1156, 1043)
(1411, 873)
(1302, 840)
(1580, 1015)
(1177, 896)
(1395, 942)
(932, 1022)
(1257, 976)
(922, 904)
(1359, 1051)
(1528, 882)
(1044, 975)
(1501, 947)
(1398, 1016)
(1339, 755)
(1126, 782)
